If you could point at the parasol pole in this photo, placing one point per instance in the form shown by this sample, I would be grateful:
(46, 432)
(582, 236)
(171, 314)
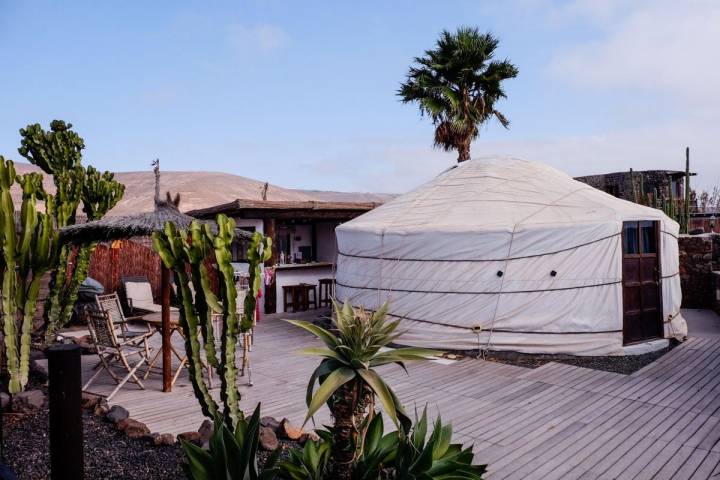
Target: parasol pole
(166, 343)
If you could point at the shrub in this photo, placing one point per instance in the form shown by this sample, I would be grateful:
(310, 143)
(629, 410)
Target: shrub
(347, 379)
(232, 455)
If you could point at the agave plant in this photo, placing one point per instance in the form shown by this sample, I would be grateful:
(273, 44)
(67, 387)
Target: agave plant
(232, 455)
(347, 379)
(310, 463)
(415, 456)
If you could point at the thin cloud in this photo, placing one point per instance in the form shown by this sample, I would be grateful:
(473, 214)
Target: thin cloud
(263, 38)
(662, 46)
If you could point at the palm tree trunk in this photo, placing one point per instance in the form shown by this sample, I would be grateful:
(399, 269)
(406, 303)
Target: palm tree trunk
(464, 151)
(348, 407)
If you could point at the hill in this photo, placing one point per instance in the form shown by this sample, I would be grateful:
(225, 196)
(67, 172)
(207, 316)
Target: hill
(204, 189)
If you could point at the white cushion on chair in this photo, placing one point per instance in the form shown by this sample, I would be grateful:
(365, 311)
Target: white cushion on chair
(139, 292)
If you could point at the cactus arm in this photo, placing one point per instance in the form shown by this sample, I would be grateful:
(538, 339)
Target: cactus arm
(196, 251)
(168, 244)
(189, 323)
(201, 279)
(181, 249)
(26, 331)
(259, 251)
(11, 350)
(228, 384)
(685, 228)
(79, 274)
(9, 280)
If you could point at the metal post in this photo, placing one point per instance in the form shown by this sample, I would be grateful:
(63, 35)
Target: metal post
(166, 345)
(66, 427)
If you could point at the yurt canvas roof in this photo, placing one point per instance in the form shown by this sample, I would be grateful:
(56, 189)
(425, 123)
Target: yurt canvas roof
(502, 245)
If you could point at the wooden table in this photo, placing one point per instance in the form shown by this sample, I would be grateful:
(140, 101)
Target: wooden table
(155, 320)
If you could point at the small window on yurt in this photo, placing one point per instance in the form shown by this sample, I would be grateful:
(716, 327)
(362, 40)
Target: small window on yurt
(647, 236)
(631, 244)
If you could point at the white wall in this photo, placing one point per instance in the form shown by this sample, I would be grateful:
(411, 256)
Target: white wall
(326, 245)
(304, 234)
(292, 276)
(250, 222)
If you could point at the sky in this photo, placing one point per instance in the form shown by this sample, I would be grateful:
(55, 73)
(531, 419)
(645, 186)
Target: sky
(303, 94)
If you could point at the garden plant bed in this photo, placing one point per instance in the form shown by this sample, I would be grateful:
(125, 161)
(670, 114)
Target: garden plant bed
(109, 453)
(624, 364)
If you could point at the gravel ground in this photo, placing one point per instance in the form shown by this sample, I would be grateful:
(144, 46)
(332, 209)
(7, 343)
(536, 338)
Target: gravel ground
(616, 364)
(109, 454)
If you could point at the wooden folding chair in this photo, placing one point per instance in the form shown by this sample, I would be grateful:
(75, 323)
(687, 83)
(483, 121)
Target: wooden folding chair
(115, 350)
(110, 304)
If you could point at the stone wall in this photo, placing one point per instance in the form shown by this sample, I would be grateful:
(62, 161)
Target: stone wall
(716, 281)
(619, 184)
(699, 257)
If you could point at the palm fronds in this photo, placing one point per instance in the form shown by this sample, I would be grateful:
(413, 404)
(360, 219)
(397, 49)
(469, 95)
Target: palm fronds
(457, 85)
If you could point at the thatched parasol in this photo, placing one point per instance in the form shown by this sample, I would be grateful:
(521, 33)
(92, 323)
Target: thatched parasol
(138, 225)
(143, 225)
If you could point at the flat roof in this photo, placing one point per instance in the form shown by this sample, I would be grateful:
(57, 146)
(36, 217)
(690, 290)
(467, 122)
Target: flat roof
(672, 173)
(286, 209)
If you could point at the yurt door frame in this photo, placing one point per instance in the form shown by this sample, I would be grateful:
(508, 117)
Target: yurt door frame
(642, 294)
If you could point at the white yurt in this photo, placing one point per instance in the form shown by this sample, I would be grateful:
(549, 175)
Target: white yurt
(506, 254)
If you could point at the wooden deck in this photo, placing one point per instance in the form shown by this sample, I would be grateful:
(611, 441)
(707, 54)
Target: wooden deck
(556, 421)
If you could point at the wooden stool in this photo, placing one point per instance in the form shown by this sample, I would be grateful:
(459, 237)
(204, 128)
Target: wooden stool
(306, 288)
(327, 291)
(293, 290)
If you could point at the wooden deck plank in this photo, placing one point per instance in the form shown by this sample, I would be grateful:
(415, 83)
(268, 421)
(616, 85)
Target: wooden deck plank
(552, 421)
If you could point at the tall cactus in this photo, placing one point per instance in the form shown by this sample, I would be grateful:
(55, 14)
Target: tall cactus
(685, 225)
(186, 253)
(258, 253)
(28, 251)
(58, 152)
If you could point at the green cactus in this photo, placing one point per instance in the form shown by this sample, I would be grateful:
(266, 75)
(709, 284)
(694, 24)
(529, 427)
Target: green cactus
(188, 251)
(100, 193)
(58, 152)
(28, 251)
(175, 251)
(258, 253)
(685, 224)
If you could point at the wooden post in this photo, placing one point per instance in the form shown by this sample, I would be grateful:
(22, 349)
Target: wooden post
(166, 358)
(66, 427)
(270, 297)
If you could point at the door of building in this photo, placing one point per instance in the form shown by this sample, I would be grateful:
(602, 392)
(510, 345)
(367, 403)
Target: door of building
(642, 295)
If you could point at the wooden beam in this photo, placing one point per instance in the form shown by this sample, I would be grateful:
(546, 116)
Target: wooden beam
(313, 245)
(66, 420)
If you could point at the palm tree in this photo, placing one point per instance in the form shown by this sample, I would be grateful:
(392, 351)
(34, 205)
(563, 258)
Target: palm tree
(457, 85)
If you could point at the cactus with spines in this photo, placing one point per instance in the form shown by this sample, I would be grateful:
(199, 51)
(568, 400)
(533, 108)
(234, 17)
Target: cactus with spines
(259, 252)
(185, 252)
(685, 224)
(100, 193)
(58, 152)
(29, 249)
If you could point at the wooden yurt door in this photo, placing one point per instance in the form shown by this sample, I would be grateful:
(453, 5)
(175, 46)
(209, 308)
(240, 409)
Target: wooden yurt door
(642, 296)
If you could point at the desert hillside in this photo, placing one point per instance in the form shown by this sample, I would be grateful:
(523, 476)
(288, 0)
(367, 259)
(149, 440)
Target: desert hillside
(205, 189)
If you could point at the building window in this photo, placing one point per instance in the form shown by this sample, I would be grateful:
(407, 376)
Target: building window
(639, 237)
(239, 247)
(631, 245)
